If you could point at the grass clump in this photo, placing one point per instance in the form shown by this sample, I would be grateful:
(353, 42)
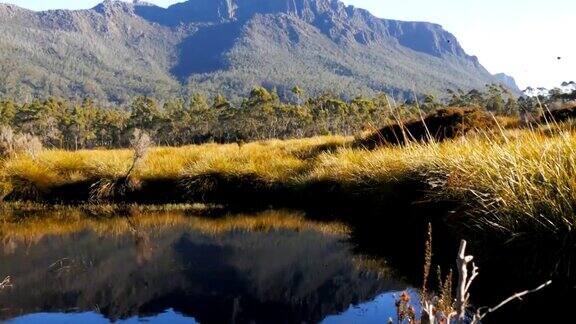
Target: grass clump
(444, 124)
(528, 181)
(509, 181)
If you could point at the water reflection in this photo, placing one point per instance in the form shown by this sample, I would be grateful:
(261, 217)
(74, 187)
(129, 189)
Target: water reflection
(377, 311)
(168, 317)
(273, 267)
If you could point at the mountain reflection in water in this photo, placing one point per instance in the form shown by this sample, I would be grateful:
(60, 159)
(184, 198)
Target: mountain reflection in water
(167, 269)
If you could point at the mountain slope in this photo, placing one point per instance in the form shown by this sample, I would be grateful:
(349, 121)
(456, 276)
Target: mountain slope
(108, 53)
(117, 50)
(508, 81)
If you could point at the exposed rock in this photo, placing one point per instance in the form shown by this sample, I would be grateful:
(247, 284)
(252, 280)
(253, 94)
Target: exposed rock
(508, 82)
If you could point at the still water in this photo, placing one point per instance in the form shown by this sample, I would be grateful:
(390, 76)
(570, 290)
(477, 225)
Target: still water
(272, 267)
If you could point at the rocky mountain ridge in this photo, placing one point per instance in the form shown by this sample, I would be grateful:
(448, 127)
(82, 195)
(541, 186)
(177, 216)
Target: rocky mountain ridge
(118, 50)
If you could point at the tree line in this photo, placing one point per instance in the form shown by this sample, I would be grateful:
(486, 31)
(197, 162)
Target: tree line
(74, 125)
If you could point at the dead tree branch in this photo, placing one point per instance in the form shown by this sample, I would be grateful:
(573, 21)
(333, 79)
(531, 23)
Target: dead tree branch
(7, 282)
(482, 312)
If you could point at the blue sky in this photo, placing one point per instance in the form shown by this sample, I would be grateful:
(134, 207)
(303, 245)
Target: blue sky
(522, 38)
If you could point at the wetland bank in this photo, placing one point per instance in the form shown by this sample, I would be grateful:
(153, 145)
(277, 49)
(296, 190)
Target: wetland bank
(224, 213)
(503, 191)
(274, 161)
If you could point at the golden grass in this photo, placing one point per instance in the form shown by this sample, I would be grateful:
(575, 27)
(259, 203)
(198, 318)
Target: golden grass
(510, 180)
(273, 159)
(529, 180)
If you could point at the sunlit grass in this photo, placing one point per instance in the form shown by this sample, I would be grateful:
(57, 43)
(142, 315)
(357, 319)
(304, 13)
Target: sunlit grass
(510, 181)
(528, 181)
(273, 159)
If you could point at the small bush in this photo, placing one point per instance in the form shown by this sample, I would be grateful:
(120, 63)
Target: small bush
(6, 141)
(28, 144)
(140, 143)
(12, 144)
(108, 188)
(559, 115)
(439, 126)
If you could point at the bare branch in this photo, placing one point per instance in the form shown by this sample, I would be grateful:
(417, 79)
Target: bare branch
(6, 283)
(480, 315)
(472, 277)
(434, 310)
(464, 282)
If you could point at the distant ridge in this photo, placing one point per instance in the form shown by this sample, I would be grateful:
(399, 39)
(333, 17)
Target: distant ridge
(118, 49)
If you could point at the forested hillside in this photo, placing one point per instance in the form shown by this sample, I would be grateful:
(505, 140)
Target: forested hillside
(120, 50)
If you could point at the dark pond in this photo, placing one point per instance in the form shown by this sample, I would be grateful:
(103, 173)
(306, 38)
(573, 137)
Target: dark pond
(267, 268)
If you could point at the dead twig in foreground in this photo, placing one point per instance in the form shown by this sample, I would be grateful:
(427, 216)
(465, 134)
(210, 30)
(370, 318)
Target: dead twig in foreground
(6, 283)
(480, 314)
(446, 308)
(465, 281)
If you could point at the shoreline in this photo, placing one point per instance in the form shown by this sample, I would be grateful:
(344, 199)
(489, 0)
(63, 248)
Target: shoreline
(514, 186)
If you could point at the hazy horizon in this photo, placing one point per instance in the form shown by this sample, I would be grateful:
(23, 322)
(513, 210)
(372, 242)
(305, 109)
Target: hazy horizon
(519, 38)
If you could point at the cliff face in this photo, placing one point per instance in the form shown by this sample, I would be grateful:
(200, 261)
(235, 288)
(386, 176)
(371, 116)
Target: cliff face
(117, 50)
(508, 81)
(330, 16)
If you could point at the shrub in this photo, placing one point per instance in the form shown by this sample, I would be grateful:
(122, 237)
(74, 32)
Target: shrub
(140, 143)
(6, 141)
(559, 115)
(13, 144)
(107, 188)
(441, 125)
(28, 144)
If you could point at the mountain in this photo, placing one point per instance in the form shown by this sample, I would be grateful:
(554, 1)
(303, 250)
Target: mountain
(508, 81)
(117, 50)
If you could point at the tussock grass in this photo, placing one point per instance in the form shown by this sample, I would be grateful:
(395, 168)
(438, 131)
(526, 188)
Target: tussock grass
(268, 161)
(510, 181)
(526, 182)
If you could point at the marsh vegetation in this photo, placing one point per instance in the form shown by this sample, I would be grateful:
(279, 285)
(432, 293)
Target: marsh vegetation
(509, 181)
(503, 181)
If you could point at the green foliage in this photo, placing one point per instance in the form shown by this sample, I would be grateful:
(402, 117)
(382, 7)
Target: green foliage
(497, 99)
(7, 111)
(261, 115)
(430, 103)
(145, 115)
